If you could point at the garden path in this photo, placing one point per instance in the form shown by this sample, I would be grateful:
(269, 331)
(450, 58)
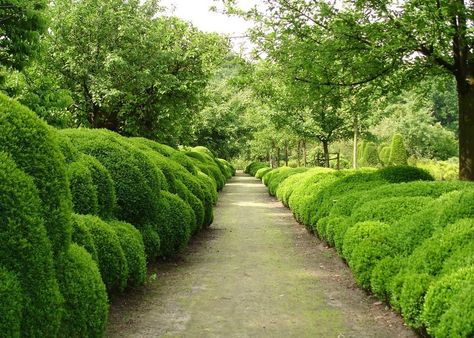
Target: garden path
(254, 273)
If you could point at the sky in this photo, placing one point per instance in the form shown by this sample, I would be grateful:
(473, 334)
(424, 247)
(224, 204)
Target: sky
(197, 12)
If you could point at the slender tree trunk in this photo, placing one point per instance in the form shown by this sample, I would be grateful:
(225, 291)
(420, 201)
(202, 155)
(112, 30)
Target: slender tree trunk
(305, 159)
(299, 153)
(466, 131)
(269, 158)
(326, 153)
(286, 154)
(278, 157)
(356, 140)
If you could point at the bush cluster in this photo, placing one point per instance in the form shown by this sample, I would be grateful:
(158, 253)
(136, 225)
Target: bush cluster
(407, 238)
(83, 211)
(253, 167)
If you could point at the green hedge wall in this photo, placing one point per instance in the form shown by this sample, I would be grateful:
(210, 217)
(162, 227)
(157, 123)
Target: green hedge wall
(407, 239)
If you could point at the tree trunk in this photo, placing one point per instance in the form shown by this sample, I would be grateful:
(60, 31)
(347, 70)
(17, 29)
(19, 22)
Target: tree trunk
(278, 157)
(466, 130)
(326, 153)
(286, 154)
(269, 157)
(356, 140)
(299, 153)
(305, 162)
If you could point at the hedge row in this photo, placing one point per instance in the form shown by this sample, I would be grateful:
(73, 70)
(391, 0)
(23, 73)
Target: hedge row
(408, 239)
(83, 211)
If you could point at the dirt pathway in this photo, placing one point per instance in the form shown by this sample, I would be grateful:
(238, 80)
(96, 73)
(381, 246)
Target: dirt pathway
(254, 273)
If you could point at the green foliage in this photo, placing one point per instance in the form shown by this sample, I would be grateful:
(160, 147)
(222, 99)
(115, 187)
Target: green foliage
(83, 192)
(86, 307)
(253, 167)
(404, 173)
(131, 242)
(34, 148)
(26, 251)
(274, 178)
(11, 298)
(398, 152)
(448, 309)
(384, 155)
(112, 261)
(23, 23)
(104, 185)
(370, 157)
(262, 172)
(81, 235)
(152, 242)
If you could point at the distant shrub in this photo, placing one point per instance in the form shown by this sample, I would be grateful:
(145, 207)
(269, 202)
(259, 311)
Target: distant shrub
(11, 307)
(86, 307)
(131, 242)
(274, 178)
(398, 174)
(26, 252)
(83, 191)
(398, 152)
(262, 172)
(370, 157)
(112, 261)
(34, 147)
(253, 167)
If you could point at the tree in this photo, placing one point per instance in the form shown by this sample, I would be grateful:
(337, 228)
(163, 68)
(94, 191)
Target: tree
(131, 69)
(22, 23)
(365, 41)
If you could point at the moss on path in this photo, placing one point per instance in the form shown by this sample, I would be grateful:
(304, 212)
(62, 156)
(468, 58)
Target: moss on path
(254, 273)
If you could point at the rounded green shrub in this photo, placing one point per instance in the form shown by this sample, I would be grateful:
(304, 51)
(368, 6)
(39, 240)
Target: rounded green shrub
(151, 241)
(274, 178)
(82, 236)
(104, 185)
(112, 261)
(69, 151)
(85, 306)
(83, 191)
(26, 251)
(253, 167)
(34, 147)
(262, 172)
(404, 173)
(383, 273)
(136, 196)
(412, 297)
(448, 310)
(370, 157)
(11, 307)
(194, 203)
(132, 244)
(384, 155)
(398, 152)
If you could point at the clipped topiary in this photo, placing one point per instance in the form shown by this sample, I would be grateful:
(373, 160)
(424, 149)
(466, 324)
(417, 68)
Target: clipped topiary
(112, 262)
(34, 147)
(132, 244)
(104, 185)
(384, 155)
(398, 152)
(25, 251)
(82, 236)
(85, 306)
(262, 172)
(11, 307)
(83, 191)
(151, 241)
(404, 173)
(370, 157)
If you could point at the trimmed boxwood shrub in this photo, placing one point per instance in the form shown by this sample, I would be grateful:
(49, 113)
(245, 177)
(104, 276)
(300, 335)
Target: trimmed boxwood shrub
(86, 307)
(104, 185)
(112, 261)
(136, 198)
(398, 152)
(82, 236)
(370, 156)
(208, 166)
(132, 244)
(26, 251)
(151, 241)
(382, 274)
(34, 147)
(404, 173)
(448, 309)
(253, 167)
(69, 151)
(11, 304)
(273, 179)
(384, 155)
(194, 203)
(83, 191)
(262, 172)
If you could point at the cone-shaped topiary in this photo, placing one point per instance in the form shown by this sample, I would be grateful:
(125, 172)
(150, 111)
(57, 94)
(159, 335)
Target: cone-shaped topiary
(35, 149)
(398, 152)
(86, 307)
(26, 251)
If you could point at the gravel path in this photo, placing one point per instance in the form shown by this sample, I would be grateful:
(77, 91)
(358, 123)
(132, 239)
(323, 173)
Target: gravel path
(254, 273)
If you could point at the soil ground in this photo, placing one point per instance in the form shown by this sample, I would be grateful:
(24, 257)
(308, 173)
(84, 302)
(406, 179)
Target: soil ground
(254, 273)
